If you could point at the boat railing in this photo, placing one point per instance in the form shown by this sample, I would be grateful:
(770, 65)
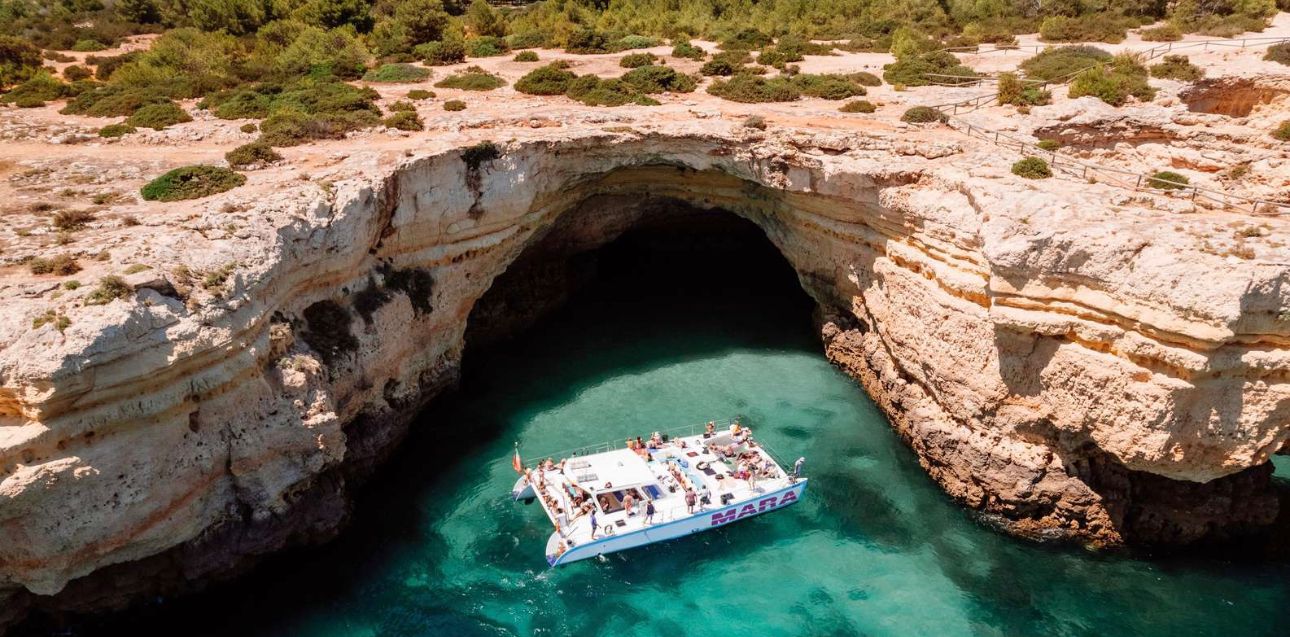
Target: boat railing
(674, 432)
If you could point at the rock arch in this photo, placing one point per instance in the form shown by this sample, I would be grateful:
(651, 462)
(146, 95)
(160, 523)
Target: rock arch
(1049, 365)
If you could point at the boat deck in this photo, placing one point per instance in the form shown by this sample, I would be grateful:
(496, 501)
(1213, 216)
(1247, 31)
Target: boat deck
(720, 468)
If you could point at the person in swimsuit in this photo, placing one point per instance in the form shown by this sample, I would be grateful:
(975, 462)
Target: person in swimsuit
(629, 504)
(690, 499)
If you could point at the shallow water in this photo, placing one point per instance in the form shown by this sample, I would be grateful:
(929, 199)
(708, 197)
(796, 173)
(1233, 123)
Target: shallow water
(874, 548)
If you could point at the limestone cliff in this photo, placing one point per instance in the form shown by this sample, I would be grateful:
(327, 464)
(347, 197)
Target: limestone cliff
(1068, 363)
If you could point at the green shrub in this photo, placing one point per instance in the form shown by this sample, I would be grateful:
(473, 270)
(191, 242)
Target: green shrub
(104, 67)
(1279, 53)
(1049, 144)
(248, 127)
(83, 46)
(858, 106)
(1093, 27)
(454, 105)
(720, 68)
(865, 78)
(191, 182)
(112, 101)
(404, 120)
(827, 86)
(755, 121)
(483, 19)
(1163, 33)
(441, 53)
(912, 70)
(397, 74)
(637, 60)
(1032, 168)
(1282, 132)
(62, 265)
(486, 47)
(630, 42)
(683, 49)
(752, 89)
(593, 91)
(778, 56)
(528, 40)
(401, 106)
(587, 41)
(158, 116)
(746, 40)
(110, 288)
(551, 79)
(1177, 67)
(40, 87)
(1168, 180)
(472, 79)
(418, 95)
(55, 56)
(257, 152)
(1113, 83)
(76, 73)
(659, 79)
(526, 56)
(29, 102)
(1059, 64)
(1017, 93)
(116, 130)
(19, 60)
(923, 115)
(301, 111)
(318, 52)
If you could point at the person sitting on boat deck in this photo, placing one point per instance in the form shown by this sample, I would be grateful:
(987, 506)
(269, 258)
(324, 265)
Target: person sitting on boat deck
(631, 444)
(649, 512)
(656, 440)
(629, 504)
(640, 444)
(690, 499)
(549, 464)
(709, 429)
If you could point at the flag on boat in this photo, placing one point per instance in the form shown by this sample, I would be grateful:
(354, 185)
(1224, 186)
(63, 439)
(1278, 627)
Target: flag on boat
(516, 463)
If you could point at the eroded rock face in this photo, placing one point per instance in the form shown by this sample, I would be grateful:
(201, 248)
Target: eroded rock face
(1070, 369)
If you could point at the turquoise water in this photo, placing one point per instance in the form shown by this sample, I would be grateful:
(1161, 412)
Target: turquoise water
(874, 548)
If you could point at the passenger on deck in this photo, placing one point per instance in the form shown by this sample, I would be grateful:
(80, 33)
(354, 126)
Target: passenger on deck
(656, 440)
(631, 444)
(640, 444)
(629, 504)
(649, 512)
(690, 499)
(710, 429)
(549, 465)
(593, 525)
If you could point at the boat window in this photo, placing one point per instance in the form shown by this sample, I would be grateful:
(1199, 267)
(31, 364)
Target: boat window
(653, 492)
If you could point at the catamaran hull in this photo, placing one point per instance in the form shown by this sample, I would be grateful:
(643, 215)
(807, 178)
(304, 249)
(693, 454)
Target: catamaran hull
(662, 532)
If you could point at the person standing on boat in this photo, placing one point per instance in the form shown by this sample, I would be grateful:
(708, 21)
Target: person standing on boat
(593, 524)
(649, 512)
(690, 499)
(629, 504)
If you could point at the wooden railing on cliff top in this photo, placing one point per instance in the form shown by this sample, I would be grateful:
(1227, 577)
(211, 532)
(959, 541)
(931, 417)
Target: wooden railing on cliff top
(1085, 170)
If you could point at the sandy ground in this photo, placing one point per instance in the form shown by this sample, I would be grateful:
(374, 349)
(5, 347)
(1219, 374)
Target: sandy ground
(50, 161)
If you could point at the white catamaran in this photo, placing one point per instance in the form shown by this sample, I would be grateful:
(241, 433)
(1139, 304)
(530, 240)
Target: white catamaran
(603, 500)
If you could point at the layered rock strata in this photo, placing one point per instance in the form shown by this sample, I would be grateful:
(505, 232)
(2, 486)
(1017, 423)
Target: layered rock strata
(1069, 368)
